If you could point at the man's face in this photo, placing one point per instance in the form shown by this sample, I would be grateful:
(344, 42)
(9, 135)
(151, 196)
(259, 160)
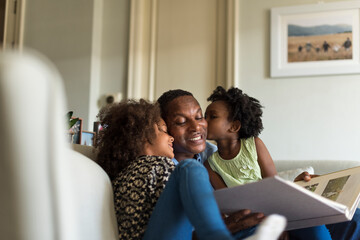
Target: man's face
(187, 125)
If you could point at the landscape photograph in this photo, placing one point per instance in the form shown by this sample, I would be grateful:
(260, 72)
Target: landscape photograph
(334, 187)
(319, 38)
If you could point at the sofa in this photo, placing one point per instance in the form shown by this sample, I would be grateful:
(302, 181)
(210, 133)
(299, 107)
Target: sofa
(48, 190)
(287, 169)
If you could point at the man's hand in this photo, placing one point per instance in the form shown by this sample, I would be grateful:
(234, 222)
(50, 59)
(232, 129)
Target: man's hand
(305, 176)
(242, 219)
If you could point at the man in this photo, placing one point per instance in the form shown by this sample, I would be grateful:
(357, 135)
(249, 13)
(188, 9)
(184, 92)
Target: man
(186, 124)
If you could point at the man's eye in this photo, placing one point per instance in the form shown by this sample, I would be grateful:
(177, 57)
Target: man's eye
(180, 123)
(200, 118)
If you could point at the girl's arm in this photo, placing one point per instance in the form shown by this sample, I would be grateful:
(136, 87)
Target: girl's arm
(265, 161)
(216, 181)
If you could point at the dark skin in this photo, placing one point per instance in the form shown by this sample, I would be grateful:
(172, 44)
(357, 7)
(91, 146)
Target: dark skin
(305, 176)
(187, 125)
(225, 133)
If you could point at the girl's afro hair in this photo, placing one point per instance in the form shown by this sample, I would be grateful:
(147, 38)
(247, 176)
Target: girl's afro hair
(243, 108)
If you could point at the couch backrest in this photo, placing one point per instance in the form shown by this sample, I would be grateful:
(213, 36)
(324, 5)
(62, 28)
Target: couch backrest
(88, 204)
(320, 166)
(48, 191)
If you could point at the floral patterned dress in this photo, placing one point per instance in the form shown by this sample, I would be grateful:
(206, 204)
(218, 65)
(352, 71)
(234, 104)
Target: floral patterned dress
(136, 191)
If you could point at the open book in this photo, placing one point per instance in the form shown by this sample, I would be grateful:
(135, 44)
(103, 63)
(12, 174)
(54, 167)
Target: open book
(326, 199)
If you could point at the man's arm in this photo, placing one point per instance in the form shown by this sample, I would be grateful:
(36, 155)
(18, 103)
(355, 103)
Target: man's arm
(242, 220)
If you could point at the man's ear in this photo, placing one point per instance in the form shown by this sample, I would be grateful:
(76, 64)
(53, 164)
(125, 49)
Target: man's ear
(235, 126)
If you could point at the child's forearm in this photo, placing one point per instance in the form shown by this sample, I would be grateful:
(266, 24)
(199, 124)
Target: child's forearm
(216, 181)
(265, 161)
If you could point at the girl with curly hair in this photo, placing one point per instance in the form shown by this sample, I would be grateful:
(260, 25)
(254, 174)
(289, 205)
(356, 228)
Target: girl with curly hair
(153, 198)
(234, 123)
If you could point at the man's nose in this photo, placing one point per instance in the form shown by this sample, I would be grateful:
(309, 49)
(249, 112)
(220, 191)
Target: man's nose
(195, 125)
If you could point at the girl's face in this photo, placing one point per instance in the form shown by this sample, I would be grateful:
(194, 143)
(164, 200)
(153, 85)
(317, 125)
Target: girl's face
(217, 115)
(163, 143)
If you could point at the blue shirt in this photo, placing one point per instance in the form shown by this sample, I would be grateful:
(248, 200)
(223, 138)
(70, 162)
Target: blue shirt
(203, 156)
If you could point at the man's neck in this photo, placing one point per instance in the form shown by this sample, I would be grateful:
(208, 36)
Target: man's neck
(182, 156)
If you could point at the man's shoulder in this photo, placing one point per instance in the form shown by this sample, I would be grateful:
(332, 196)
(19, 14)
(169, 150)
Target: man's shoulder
(211, 147)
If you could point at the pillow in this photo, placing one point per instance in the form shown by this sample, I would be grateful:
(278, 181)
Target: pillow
(292, 174)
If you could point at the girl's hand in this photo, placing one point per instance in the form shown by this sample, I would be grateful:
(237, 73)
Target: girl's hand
(305, 176)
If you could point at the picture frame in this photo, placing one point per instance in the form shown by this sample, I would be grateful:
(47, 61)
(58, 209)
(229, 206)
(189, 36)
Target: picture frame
(88, 138)
(296, 29)
(75, 131)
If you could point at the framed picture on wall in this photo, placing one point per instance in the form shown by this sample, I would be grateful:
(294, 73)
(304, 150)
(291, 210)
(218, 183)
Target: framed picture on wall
(88, 138)
(75, 131)
(315, 39)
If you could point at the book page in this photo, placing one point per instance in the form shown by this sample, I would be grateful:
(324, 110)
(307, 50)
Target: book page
(342, 186)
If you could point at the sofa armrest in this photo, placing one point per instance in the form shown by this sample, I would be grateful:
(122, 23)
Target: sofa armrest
(320, 166)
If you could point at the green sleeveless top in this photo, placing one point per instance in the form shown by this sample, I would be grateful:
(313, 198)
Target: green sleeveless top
(244, 168)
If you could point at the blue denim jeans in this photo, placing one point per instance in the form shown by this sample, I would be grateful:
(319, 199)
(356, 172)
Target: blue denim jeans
(187, 201)
(313, 233)
(349, 230)
(346, 230)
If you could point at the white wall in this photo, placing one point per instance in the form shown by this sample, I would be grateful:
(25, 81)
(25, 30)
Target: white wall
(187, 47)
(304, 117)
(115, 46)
(61, 30)
(87, 40)
(183, 46)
